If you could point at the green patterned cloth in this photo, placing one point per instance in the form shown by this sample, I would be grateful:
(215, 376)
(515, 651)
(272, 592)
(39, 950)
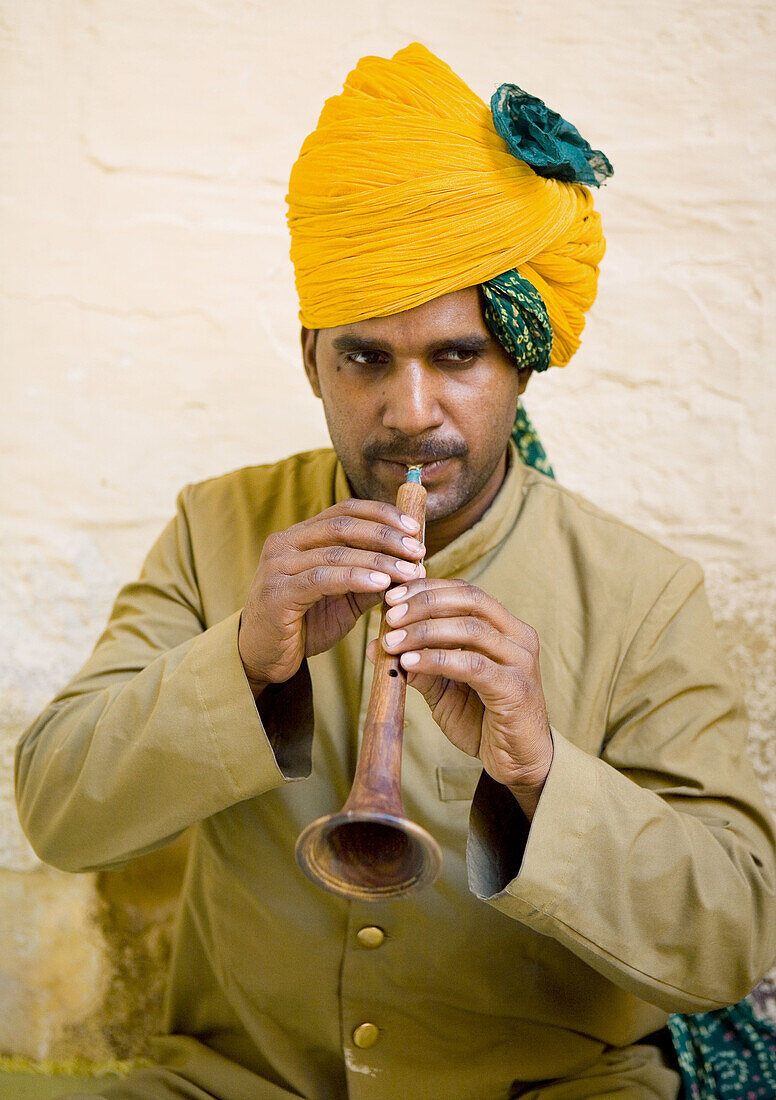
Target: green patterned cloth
(515, 313)
(726, 1055)
(528, 444)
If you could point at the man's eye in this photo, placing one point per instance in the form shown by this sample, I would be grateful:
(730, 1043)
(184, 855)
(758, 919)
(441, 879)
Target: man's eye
(458, 355)
(365, 358)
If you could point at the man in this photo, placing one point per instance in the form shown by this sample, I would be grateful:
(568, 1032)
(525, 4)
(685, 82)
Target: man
(574, 740)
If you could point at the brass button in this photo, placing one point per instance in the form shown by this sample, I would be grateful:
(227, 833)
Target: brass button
(371, 936)
(365, 1035)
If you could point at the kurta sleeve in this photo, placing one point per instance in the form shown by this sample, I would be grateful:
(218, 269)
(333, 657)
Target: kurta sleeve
(158, 730)
(653, 862)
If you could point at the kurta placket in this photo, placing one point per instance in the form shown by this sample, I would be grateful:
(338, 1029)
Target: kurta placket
(361, 1013)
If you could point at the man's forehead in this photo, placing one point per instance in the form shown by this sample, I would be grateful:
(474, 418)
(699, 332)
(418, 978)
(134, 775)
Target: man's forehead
(457, 315)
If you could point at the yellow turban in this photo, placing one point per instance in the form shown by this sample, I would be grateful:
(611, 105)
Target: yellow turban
(405, 191)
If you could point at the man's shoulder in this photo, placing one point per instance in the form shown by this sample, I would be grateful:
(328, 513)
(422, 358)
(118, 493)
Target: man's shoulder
(598, 541)
(300, 485)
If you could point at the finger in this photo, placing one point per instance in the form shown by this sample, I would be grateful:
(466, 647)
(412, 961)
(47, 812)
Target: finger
(377, 510)
(461, 632)
(427, 599)
(303, 590)
(399, 569)
(412, 589)
(465, 666)
(371, 526)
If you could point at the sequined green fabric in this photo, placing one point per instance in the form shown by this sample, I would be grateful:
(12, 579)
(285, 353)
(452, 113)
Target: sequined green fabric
(729, 1054)
(515, 313)
(528, 444)
(544, 139)
(517, 316)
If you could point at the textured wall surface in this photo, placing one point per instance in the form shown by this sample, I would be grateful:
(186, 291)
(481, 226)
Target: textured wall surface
(150, 339)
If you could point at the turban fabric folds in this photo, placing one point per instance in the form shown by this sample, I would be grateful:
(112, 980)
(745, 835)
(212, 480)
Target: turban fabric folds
(411, 187)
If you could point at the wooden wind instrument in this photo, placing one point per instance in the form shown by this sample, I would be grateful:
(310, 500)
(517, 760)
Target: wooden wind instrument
(370, 851)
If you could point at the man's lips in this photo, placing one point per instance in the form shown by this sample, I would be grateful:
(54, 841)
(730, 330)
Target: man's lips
(429, 470)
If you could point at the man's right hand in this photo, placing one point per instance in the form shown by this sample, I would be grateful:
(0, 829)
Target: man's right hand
(315, 580)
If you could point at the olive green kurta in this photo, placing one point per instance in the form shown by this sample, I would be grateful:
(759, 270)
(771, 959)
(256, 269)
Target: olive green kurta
(645, 885)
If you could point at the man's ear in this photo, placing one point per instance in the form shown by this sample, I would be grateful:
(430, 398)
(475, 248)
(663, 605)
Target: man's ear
(308, 358)
(522, 378)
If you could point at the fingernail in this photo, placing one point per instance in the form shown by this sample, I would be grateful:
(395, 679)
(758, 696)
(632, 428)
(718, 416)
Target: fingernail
(412, 544)
(381, 579)
(406, 568)
(393, 637)
(396, 593)
(396, 613)
(407, 660)
(409, 523)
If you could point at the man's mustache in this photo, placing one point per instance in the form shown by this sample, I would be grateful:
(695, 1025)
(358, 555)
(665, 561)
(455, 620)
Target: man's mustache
(419, 450)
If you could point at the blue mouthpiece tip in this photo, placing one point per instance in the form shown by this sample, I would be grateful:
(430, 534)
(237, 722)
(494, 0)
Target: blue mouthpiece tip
(413, 474)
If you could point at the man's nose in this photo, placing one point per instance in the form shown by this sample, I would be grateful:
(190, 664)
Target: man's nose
(412, 404)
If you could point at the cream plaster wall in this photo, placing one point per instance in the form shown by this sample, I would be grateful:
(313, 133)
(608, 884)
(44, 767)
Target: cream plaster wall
(150, 339)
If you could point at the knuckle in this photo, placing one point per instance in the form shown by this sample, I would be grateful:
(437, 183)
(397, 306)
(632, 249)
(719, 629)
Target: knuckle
(531, 640)
(427, 599)
(521, 682)
(443, 657)
(341, 525)
(477, 663)
(272, 544)
(476, 595)
(527, 664)
(273, 588)
(336, 555)
(316, 577)
(475, 628)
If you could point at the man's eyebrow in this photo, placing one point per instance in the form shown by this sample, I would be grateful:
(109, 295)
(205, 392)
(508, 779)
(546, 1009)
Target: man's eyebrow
(470, 343)
(359, 343)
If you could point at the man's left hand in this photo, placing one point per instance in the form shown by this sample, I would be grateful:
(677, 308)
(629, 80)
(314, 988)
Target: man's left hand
(477, 666)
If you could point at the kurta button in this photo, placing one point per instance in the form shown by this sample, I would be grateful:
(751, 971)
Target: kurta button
(371, 936)
(365, 1035)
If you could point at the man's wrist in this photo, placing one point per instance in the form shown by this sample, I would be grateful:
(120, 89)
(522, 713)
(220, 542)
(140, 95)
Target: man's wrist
(527, 794)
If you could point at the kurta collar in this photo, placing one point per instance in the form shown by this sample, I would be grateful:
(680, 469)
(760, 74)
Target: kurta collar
(484, 535)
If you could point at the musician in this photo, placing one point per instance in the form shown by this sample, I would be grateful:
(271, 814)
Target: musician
(574, 740)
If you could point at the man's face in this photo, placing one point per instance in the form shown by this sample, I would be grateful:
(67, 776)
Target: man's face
(429, 386)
